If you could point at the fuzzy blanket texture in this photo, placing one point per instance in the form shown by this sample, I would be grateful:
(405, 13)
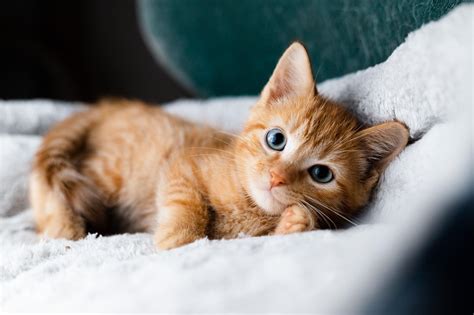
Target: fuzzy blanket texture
(426, 83)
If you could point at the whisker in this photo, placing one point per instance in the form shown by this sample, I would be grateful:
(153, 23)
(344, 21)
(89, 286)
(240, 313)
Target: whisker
(335, 211)
(324, 216)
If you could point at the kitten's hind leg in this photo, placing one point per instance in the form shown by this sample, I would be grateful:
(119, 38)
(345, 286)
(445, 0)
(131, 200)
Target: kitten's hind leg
(54, 219)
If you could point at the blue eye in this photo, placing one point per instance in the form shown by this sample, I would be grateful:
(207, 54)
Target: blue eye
(321, 173)
(276, 140)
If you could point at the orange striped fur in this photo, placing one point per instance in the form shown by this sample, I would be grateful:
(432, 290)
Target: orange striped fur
(123, 166)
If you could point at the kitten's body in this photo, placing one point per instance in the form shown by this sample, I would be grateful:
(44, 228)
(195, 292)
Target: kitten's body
(127, 167)
(128, 148)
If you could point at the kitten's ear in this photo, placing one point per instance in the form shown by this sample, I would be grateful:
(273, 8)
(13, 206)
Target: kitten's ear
(383, 142)
(291, 77)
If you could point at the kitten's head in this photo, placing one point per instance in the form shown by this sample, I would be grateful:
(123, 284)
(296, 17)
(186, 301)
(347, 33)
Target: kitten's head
(300, 148)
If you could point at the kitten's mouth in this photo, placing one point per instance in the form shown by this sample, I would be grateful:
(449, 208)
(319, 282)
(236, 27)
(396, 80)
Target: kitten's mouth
(275, 196)
(276, 204)
(276, 200)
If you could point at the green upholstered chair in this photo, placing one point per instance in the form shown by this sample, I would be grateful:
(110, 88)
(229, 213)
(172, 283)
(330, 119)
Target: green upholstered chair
(229, 47)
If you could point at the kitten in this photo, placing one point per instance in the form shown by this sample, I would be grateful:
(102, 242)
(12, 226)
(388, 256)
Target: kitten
(302, 162)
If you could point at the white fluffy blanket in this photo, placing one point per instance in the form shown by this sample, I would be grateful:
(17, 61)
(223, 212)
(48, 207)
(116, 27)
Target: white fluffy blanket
(426, 82)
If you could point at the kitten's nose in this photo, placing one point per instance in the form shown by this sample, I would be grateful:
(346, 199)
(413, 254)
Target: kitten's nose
(276, 179)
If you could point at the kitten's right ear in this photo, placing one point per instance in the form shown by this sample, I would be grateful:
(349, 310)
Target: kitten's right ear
(292, 76)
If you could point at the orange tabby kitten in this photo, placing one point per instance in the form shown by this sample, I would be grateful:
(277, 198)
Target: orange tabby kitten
(302, 162)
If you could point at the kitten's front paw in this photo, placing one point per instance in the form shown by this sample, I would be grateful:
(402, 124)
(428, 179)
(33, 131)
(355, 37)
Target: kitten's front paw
(294, 219)
(173, 239)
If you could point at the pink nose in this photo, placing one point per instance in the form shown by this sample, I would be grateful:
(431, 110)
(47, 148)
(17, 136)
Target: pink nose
(276, 179)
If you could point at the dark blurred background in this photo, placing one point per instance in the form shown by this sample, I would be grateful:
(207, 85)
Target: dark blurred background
(77, 50)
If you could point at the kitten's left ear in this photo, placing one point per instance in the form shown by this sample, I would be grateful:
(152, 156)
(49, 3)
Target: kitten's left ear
(291, 77)
(383, 143)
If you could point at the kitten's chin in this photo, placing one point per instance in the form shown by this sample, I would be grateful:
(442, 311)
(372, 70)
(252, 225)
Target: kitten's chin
(265, 200)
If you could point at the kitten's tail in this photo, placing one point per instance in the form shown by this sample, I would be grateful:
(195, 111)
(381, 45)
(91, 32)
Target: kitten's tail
(56, 170)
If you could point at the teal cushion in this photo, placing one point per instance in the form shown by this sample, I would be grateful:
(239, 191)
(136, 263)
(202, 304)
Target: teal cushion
(229, 47)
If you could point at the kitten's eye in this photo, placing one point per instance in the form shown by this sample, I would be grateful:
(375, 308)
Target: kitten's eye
(320, 173)
(276, 140)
